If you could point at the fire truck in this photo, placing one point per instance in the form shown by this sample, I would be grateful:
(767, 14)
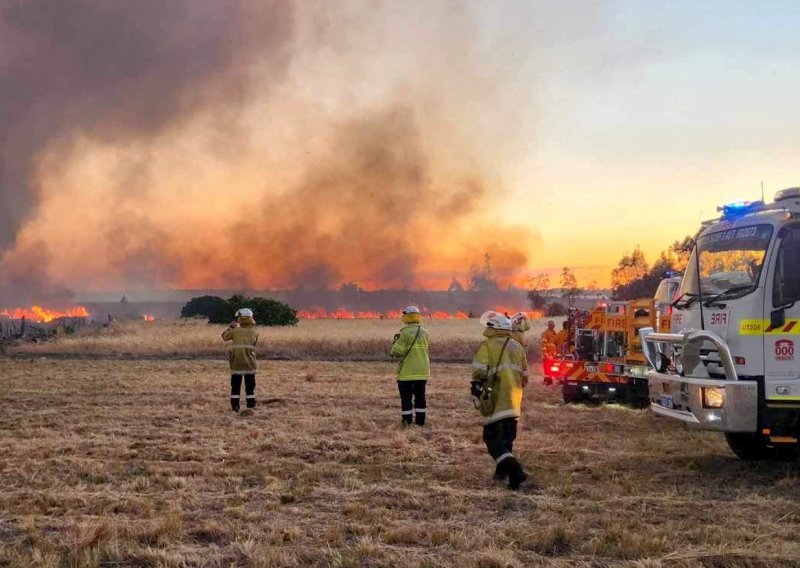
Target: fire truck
(731, 362)
(606, 361)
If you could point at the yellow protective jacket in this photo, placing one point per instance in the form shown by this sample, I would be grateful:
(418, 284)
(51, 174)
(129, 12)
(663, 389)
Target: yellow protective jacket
(512, 373)
(562, 341)
(549, 342)
(243, 346)
(518, 333)
(416, 366)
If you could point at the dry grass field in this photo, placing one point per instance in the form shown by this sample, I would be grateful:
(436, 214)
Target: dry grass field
(140, 463)
(117, 448)
(337, 340)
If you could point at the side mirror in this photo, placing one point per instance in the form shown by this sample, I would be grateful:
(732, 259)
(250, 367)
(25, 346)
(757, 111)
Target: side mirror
(777, 318)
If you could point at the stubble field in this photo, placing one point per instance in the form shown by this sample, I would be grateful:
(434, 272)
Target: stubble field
(139, 462)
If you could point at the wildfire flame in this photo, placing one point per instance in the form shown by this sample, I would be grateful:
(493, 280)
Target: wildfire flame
(148, 317)
(342, 313)
(45, 315)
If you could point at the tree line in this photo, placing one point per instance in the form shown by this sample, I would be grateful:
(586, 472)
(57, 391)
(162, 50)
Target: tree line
(632, 278)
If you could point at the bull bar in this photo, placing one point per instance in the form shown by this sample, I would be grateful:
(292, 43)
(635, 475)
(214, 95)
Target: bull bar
(682, 397)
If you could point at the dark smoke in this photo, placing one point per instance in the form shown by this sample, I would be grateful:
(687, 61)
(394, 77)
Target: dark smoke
(386, 181)
(371, 212)
(116, 71)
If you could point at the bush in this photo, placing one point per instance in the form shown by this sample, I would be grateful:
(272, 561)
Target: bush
(205, 306)
(556, 309)
(265, 310)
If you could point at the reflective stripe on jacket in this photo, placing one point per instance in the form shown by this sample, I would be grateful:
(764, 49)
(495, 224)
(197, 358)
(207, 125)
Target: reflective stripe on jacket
(512, 373)
(417, 365)
(242, 354)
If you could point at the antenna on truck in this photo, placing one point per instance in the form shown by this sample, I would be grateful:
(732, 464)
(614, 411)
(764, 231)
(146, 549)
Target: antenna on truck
(699, 281)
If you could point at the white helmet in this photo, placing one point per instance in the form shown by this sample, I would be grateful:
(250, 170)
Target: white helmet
(244, 313)
(519, 317)
(496, 321)
(411, 310)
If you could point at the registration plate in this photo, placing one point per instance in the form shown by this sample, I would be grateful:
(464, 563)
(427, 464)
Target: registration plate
(591, 368)
(666, 402)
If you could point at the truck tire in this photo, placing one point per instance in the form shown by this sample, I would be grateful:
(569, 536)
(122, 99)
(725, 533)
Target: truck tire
(786, 452)
(570, 394)
(749, 447)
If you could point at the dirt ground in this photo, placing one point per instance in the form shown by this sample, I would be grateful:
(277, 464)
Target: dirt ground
(109, 463)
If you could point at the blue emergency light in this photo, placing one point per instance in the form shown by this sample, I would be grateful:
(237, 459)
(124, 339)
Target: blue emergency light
(739, 208)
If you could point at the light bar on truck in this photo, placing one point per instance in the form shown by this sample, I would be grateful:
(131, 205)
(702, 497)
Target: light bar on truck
(739, 208)
(790, 193)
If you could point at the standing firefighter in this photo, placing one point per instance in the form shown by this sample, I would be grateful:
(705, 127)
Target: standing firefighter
(499, 373)
(414, 368)
(519, 325)
(243, 337)
(549, 340)
(562, 339)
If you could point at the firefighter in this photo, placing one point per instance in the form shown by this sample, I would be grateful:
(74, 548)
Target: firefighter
(243, 337)
(520, 324)
(549, 340)
(500, 370)
(562, 339)
(410, 346)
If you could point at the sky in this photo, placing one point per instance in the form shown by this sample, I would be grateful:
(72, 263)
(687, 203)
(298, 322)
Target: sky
(388, 143)
(651, 120)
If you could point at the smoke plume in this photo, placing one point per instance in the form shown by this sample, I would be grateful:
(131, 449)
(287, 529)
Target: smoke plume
(211, 143)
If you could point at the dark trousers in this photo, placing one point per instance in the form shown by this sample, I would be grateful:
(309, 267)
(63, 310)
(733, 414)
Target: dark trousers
(499, 437)
(249, 389)
(413, 391)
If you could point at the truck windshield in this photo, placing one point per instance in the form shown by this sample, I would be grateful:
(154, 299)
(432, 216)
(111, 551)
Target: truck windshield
(730, 262)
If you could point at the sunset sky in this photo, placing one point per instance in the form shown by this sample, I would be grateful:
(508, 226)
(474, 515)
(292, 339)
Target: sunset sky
(387, 143)
(648, 117)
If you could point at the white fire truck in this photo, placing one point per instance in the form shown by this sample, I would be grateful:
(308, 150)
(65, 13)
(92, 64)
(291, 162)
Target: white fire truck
(731, 362)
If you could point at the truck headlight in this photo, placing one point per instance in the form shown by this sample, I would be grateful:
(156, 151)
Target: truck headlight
(713, 397)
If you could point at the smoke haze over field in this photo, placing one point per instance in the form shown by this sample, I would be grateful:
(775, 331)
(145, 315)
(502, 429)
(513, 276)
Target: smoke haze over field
(202, 143)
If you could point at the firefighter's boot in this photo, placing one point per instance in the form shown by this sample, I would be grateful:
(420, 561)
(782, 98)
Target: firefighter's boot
(500, 472)
(516, 475)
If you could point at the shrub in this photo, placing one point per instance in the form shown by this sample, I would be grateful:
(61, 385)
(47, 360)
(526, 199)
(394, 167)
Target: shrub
(556, 309)
(205, 306)
(265, 310)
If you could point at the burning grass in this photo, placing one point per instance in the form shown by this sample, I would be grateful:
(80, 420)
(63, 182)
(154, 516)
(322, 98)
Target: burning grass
(451, 340)
(139, 463)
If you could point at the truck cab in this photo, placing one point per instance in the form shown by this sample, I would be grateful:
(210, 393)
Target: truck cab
(729, 363)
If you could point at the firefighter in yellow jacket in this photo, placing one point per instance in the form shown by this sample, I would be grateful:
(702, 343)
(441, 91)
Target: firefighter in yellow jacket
(243, 336)
(501, 369)
(549, 348)
(414, 369)
(562, 340)
(519, 325)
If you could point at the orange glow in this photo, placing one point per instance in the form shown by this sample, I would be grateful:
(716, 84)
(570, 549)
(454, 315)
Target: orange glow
(342, 313)
(148, 317)
(45, 315)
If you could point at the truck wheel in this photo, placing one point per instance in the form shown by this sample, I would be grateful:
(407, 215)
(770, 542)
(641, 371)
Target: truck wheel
(750, 447)
(786, 452)
(570, 394)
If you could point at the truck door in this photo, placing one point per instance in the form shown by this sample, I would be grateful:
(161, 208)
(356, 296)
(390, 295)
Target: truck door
(782, 343)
